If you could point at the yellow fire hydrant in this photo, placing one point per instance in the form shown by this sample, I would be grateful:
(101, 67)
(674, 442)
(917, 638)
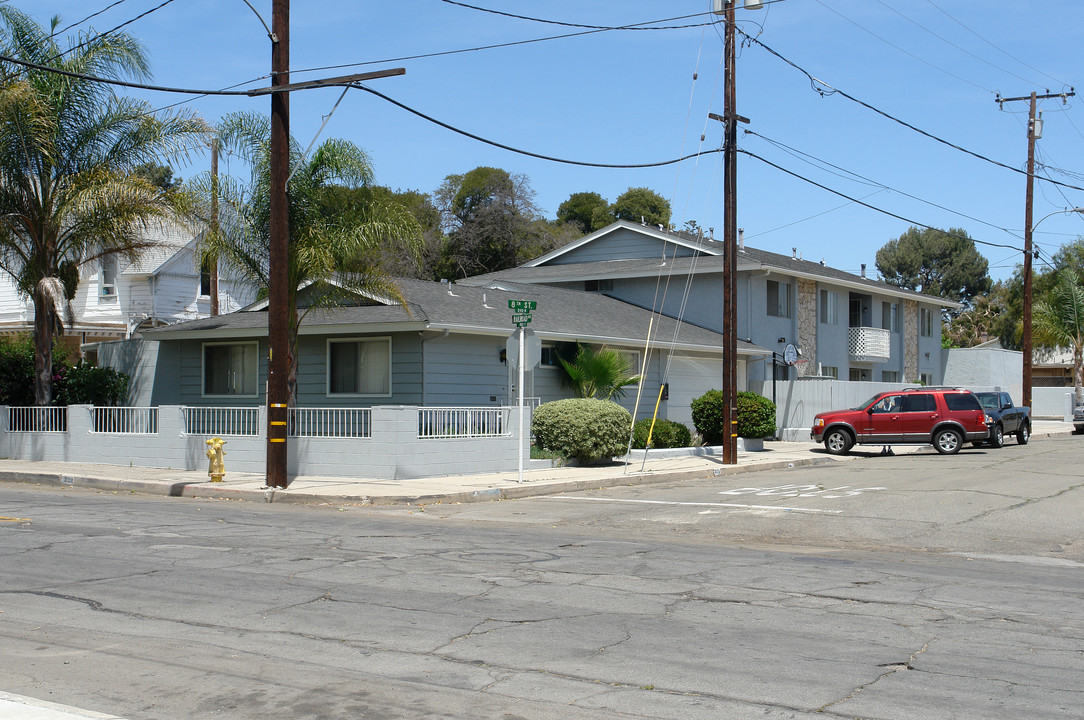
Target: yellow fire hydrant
(217, 465)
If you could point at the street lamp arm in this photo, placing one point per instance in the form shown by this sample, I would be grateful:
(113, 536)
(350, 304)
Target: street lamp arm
(1059, 212)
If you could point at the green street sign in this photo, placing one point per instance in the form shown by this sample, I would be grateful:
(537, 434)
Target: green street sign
(521, 320)
(522, 305)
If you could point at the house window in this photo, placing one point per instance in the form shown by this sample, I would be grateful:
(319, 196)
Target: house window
(890, 376)
(830, 371)
(890, 316)
(829, 307)
(632, 358)
(598, 285)
(549, 357)
(925, 379)
(229, 369)
(108, 285)
(778, 299)
(925, 322)
(359, 367)
(205, 279)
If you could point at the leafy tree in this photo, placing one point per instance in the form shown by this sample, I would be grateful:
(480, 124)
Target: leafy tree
(637, 203)
(1059, 322)
(588, 211)
(161, 176)
(935, 262)
(989, 316)
(343, 248)
(491, 219)
(68, 151)
(598, 373)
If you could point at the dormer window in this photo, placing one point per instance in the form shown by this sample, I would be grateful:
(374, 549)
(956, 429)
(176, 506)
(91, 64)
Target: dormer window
(107, 287)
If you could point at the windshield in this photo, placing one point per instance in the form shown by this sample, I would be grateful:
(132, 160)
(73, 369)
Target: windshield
(869, 402)
(989, 400)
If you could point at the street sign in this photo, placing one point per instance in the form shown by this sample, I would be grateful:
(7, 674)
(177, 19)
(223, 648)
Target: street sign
(522, 305)
(521, 320)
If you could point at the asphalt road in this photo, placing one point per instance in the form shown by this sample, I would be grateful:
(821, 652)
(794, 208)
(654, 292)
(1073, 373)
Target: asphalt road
(915, 586)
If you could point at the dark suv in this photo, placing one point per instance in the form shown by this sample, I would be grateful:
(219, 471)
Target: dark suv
(943, 417)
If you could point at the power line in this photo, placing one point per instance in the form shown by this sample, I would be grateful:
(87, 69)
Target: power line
(871, 207)
(637, 26)
(88, 17)
(528, 153)
(829, 90)
(875, 183)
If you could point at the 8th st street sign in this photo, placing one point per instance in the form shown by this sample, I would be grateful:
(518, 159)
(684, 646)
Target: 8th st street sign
(521, 311)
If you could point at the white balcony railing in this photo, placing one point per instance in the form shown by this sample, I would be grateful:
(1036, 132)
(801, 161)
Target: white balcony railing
(221, 421)
(126, 420)
(331, 422)
(869, 344)
(463, 422)
(38, 419)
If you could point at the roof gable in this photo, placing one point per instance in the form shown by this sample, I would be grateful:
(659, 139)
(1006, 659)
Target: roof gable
(623, 240)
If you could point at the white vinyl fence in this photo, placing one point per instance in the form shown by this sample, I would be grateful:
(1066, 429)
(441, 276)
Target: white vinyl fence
(391, 442)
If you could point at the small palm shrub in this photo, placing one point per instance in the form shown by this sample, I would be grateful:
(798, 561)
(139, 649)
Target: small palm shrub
(583, 429)
(667, 434)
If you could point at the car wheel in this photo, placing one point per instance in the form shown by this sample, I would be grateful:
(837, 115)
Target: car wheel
(838, 442)
(947, 442)
(997, 436)
(1023, 434)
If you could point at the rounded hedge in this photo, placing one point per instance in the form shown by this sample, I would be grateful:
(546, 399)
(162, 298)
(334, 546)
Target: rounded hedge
(584, 429)
(756, 416)
(667, 434)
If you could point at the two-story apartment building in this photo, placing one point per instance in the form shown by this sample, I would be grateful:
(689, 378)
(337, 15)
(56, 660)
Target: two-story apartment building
(846, 326)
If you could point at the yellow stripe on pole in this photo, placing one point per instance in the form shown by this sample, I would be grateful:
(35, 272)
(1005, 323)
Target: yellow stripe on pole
(276, 440)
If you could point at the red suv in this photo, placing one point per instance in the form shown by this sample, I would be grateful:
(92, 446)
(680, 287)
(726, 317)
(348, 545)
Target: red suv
(943, 417)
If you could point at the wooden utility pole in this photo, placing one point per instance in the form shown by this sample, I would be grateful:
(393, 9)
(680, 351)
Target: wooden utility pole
(277, 319)
(730, 234)
(212, 262)
(1026, 344)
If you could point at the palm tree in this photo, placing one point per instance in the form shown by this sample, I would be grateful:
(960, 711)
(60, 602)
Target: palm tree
(1059, 322)
(598, 373)
(335, 255)
(68, 146)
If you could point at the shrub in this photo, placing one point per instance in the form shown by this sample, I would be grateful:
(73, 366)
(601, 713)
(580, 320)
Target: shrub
(86, 384)
(667, 434)
(756, 416)
(17, 370)
(584, 429)
(709, 418)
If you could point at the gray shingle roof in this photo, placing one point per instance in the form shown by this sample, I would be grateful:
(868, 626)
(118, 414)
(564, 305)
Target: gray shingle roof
(559, 315)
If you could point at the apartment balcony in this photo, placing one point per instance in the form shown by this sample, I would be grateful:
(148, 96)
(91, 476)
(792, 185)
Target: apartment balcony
(869, 344)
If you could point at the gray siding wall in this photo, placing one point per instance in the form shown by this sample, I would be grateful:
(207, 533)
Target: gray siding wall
(621, 244)
(465, 370)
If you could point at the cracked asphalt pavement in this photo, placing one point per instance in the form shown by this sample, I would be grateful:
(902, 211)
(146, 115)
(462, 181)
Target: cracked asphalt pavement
(914, 586)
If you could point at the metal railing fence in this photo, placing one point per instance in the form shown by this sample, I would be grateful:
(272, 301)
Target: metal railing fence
(243, 421)
(41, 419)
(463, 422)
(125, 420)
(331, 422)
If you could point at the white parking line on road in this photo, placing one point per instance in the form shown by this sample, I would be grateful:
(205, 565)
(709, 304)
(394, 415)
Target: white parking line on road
(739, 506)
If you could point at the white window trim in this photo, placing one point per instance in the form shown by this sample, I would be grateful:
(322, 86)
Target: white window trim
(829, 306)
(327, 367)
(108, 291)
(203, 370)
(553, 350)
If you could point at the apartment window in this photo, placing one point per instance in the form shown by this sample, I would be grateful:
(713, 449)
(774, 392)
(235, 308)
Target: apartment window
(925, 379)
(108, 285)
(230, 369)
(778, 299)
(830, 371)
(890, 376)
(598, 285)
(359, 367)
(549, 357)
(829, 307)
(890, 316)
(925, 322)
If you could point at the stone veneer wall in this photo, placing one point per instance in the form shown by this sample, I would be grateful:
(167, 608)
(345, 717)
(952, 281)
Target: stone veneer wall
(807, 325)
(910, 341)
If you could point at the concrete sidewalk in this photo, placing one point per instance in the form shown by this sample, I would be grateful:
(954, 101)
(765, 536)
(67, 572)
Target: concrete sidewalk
(17, 707)
(450, 489)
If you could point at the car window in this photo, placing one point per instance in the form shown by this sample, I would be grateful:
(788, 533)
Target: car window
(887, 404)
(919, 402)
(962, 401)
(989, 400)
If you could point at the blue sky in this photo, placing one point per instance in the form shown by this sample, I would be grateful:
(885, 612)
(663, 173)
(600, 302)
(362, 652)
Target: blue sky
(627, 97)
